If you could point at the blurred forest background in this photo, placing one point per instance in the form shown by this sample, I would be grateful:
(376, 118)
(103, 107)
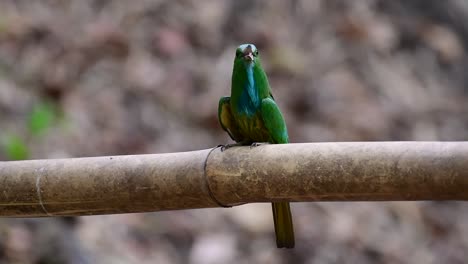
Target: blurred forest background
(87, 78)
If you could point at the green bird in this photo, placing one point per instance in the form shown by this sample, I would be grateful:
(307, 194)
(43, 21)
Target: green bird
(251, 116)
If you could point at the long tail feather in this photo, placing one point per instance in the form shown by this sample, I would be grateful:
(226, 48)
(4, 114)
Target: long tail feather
(284, 229)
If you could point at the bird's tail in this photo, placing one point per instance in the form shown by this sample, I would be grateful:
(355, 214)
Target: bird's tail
(284, 229)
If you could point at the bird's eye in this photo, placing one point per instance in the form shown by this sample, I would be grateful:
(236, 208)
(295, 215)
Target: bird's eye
(256, 53)
(238, 53)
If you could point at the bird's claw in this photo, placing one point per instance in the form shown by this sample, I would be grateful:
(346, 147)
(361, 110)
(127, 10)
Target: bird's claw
(224, 147)
(253, 145)
(256, 144)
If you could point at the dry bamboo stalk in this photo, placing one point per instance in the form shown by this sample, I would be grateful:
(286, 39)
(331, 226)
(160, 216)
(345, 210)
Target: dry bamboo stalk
(210, 178)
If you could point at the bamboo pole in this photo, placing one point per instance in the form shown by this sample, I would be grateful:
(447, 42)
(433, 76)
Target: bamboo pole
(354, 171)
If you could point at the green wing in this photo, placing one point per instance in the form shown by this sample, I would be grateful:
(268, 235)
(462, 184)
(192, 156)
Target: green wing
(274, 121)
(227, 120)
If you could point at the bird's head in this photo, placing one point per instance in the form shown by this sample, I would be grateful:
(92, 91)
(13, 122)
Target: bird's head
(247, 53)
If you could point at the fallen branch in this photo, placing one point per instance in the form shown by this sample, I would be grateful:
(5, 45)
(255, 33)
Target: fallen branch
(355, 171)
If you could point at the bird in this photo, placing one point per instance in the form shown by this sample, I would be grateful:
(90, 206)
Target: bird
(251, 117)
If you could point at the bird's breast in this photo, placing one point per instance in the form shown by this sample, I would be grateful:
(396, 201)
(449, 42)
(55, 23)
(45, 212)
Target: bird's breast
(253, 129)
(247, 105)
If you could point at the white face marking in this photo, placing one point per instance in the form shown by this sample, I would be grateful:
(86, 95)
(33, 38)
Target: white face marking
(244, 46)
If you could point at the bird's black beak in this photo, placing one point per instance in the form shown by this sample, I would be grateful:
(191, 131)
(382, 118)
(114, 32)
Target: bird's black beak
(249, 56)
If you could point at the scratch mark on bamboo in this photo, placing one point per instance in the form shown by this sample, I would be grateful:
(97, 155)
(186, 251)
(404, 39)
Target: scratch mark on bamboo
(38, 189)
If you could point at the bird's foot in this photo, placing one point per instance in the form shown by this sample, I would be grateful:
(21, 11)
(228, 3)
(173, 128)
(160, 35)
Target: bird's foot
(256, 144)
(224, 147)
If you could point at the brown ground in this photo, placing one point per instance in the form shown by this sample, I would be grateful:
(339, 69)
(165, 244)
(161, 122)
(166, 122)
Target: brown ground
(145, 77)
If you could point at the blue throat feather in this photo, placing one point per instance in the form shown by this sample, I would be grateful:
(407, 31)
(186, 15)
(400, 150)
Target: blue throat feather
(249, 101)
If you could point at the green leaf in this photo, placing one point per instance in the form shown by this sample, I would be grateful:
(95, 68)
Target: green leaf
(15, 148)
(41, 118)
